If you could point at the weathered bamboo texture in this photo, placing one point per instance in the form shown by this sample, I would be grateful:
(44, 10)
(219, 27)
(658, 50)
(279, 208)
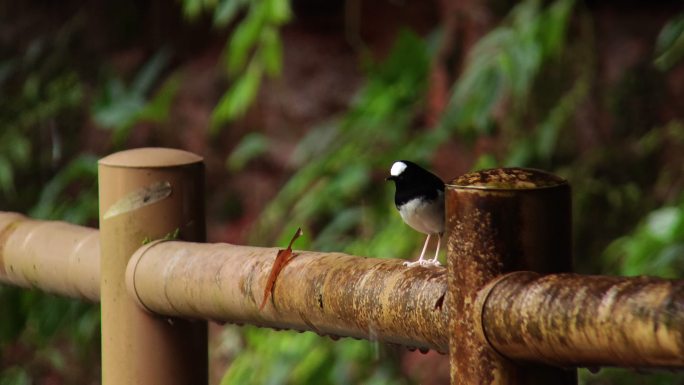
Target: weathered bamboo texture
(498, 221)
(575, 320)
(56, 257)
(328, 293)
(563, 320)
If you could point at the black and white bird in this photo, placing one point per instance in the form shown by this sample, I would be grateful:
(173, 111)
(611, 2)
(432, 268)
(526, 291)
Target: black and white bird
(419, 197)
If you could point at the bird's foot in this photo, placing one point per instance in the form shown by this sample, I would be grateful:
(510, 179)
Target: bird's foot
(424, 263)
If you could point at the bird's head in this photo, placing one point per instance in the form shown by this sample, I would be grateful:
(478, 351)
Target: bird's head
(407, 171)
(408, 175)
(397, 171)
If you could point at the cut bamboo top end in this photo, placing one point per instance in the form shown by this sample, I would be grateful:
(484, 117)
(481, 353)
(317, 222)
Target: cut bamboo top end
(150, 157)
(508, 179)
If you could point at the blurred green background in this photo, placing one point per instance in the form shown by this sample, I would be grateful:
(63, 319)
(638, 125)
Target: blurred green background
(299, 108)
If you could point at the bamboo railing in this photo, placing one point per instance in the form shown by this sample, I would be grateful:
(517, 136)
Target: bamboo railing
(505, 308)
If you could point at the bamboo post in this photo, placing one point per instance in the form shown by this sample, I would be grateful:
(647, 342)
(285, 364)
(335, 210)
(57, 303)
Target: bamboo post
(500, 221)
(148, 194)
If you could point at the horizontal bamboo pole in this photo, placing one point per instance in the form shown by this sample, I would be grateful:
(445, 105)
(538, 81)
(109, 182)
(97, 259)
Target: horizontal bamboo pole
(329, 293)
(562, 319)
(55, 257)
(576, 320)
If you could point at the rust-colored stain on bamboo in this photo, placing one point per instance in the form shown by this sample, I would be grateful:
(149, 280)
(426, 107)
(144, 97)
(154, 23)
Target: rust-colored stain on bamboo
(498, 221)
(513, 178)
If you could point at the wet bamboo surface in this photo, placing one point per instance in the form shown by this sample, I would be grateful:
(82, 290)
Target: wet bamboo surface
(575, 320)
(560, 319)
(328, 293)
(498, 221)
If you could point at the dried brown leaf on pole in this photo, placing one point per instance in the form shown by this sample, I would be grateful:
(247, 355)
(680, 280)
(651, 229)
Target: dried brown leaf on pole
(282, 259)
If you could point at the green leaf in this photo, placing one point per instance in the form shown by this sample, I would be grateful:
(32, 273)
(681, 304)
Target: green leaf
(254, 47)
(334, 235)
(13, 321)
(278, 11)
(520, 154)
(238, 98)
(159, 108)
(502, 66)
(317, 141)
(52, 201)
(7, 68)
(120, 113)
(227, 10)
(15, 375)
(549, 130)
(663, 223)
(654, 247)
(18, 150)
(271, 51)
(118, 108)
(670, 44)
(6, 176)
(150, 73)
(554, 25)
(250, 147)
(191, 8)
(485, 161)
(245, 37)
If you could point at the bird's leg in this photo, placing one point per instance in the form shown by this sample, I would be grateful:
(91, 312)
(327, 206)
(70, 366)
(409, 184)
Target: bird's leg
(420, 260)
(422, 253)
(434, 260)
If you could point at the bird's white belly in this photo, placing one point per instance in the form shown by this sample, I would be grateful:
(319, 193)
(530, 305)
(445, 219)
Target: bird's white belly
(426, 217)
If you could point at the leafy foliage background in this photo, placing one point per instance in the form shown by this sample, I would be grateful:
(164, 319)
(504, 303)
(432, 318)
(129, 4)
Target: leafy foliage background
(517, 101)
